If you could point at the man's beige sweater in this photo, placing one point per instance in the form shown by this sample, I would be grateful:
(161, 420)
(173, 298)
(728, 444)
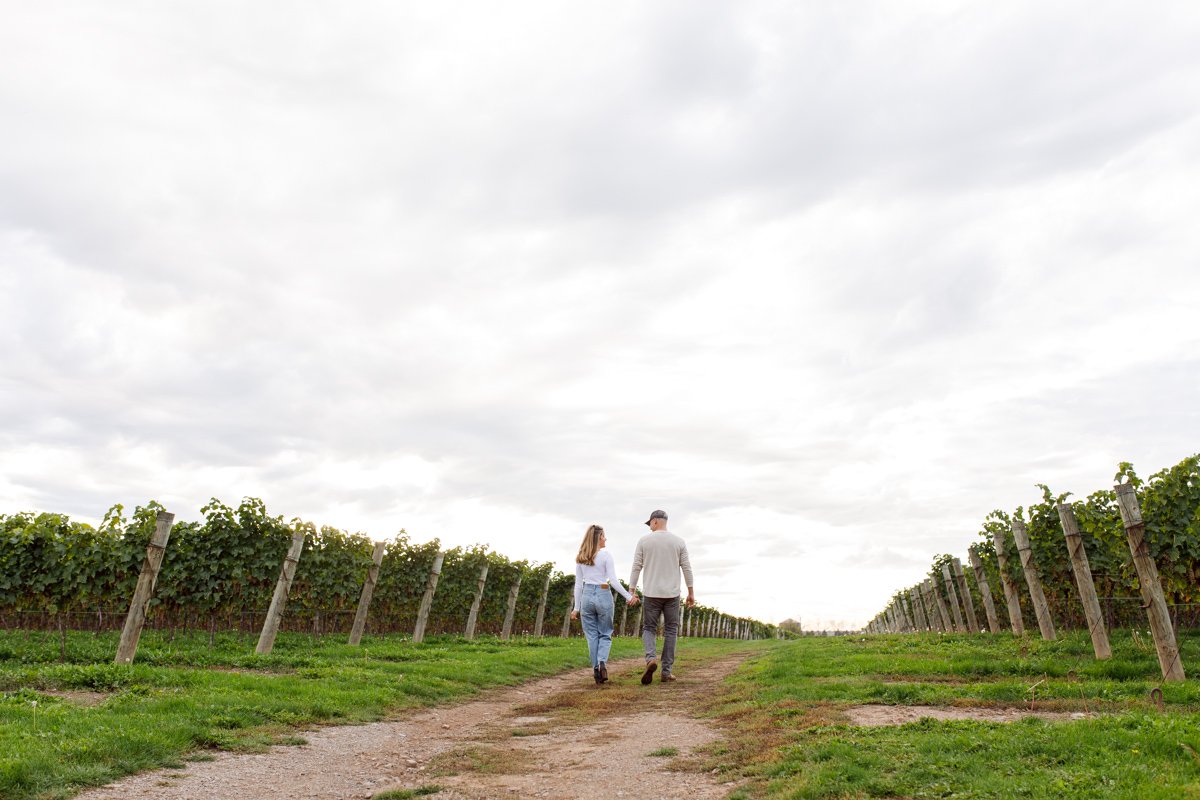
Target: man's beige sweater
(658, 558)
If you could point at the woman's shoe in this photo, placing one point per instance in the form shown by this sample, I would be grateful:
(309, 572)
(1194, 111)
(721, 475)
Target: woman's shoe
(596, 675)
(603, 672)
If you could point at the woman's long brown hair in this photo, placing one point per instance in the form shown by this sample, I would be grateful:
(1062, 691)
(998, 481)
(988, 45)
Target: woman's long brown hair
(589, 546)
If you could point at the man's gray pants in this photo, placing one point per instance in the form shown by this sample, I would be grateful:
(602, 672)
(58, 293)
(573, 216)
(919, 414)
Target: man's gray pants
(668, 609)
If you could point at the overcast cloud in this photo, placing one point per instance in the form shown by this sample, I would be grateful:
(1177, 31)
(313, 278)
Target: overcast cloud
(827, 282)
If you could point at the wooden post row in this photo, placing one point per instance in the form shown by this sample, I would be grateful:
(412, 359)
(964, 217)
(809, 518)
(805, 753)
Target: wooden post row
(364, 600)
(266, 640)
(1033, 580)
(427, 598)
(1152, 592)
(136, 618)
(1083, 582)
(1011, 597)
(473, 614)
(985, 590)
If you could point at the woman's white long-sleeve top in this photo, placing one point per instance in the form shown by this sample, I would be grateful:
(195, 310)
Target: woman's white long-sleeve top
(603, 571)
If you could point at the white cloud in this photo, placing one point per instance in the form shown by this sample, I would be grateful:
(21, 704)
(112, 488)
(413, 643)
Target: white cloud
(829, 284)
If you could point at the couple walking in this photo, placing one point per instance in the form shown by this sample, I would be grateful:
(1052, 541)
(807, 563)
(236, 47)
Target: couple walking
(658, 558)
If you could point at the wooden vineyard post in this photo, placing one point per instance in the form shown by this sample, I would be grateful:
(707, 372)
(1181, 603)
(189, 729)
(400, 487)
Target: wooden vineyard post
(927, 604)
(510, 612)
(637, 631)
(918, 610)
(964, 593)
(942, 609)
(906, 625)
(541, 609)
(1033, 580)
(911, 607)
(926, 608)
(427, 598)
(1083, 581)
(1152, 592)
(364, 601)
(624, 615)
(952, 596)
(1011, 597)
(266, 640)
(473, 614)
(136, 618)
(566, 628)
(943, 613)
(985, 590)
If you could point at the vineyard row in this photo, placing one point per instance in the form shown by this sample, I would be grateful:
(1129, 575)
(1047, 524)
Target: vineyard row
(1120, 558)
(221, 571)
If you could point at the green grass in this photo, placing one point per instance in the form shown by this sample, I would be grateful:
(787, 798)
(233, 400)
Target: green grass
(790, 737)
(664, 752)
(181, 698)
(407, 794)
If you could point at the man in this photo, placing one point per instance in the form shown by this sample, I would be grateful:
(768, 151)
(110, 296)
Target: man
(659, 557)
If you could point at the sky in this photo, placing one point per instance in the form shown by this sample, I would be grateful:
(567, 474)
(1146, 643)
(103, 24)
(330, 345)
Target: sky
(827, 282)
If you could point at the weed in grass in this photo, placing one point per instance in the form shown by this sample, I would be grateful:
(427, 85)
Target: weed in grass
(407, 794)
(664, 752)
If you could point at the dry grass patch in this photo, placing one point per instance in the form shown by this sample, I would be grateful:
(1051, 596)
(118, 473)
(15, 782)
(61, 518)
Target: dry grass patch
(482, 760)
(79, 698)
(585, 704)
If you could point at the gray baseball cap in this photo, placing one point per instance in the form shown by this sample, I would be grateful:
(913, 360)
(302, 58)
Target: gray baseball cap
(659, 514)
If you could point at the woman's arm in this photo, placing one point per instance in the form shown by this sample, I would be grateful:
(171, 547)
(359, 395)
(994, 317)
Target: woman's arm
(578, 588)
(610, 575)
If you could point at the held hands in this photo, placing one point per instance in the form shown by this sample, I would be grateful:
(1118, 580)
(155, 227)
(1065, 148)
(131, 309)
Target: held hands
(633, 599)
(574, 615)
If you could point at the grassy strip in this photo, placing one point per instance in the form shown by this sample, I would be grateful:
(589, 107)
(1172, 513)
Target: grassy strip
(790, 737)
(87, 722)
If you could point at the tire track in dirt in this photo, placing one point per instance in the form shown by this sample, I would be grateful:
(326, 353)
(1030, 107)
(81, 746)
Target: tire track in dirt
(559, 738)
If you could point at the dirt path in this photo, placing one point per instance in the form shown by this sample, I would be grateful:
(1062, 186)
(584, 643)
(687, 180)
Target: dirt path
(556, 738)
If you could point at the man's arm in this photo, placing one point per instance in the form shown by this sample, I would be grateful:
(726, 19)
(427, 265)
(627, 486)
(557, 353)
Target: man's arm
(685, 564)
(637, 567)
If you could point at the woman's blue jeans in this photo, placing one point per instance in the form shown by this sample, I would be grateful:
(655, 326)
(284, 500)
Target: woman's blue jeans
(596, 616)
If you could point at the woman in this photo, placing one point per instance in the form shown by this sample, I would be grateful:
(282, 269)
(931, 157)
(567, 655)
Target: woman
(595, 573)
